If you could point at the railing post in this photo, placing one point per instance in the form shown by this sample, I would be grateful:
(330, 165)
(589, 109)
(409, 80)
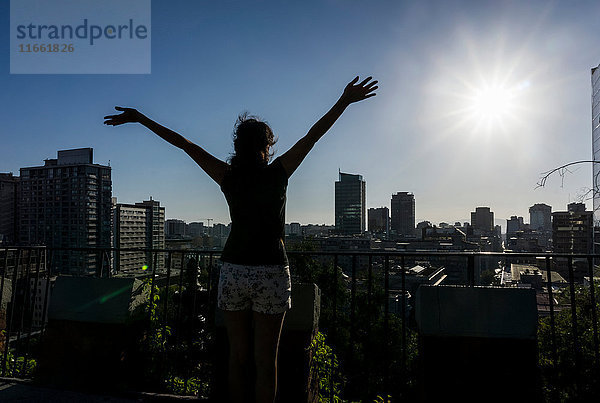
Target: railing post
(10, 319)
(48, 264)
(370, 282)
(368, 347)
(12, 311)
(352, 310)
(386, 327)
(153, 261)
(108, 267)
(403, 361)
(594, 313)
(552, 319)
(195, 289)
(574, 322)
(471, 270)
(166, 302)
(210, 276)
(180, 290)
(4, 274)
(332, 331)
(35, 293)
(25, 305)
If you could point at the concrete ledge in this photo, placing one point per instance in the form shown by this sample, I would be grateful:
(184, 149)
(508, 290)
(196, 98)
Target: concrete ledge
(98, 300)
(453, 311)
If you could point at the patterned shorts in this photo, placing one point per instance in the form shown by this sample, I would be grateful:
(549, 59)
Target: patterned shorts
(264, 288)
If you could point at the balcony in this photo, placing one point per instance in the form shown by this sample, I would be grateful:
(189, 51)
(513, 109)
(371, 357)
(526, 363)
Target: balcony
(382, 330)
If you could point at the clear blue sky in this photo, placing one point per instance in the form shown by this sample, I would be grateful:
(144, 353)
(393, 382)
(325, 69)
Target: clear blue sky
(425, 132)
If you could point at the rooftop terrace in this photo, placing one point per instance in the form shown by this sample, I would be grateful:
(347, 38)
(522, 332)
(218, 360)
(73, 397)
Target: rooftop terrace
(155, 334)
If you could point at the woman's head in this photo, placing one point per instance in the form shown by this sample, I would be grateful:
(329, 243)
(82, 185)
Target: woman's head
(252, 142)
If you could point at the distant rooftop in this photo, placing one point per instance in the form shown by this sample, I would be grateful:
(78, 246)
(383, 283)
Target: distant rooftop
(76, 156)
(344, 177)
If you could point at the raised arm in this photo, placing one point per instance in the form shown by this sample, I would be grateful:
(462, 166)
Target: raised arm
(214, 167)
(352, 93)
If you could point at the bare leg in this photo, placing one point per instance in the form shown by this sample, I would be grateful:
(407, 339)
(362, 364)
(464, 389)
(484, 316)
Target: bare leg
(267, 329)
(239, 325)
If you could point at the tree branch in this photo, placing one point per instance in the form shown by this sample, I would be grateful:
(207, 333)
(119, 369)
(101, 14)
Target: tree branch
(562, 170)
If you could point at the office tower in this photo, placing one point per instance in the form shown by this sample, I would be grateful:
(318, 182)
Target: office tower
(295, 229)
(9, 197)
(195, 229)
(514, 224)
(596, 142)
(220, 230)
(572, 232)
(350, 202)
(540, 217)
(379, 220)
(66, 203)
(175, 228)
(595, 75)
(482, 220)
(139, 225)
(403, 214)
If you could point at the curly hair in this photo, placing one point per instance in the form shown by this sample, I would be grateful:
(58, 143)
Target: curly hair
(253, 140)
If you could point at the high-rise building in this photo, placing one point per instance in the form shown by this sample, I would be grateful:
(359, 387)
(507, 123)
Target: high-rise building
(350, 204)
(403, 214)
(175, 228)
(220, 230)
(514, 224)
(379, 220)
(195, 229)
(540, 217)
(595, 75)
(66, 203)
(572, 232)
(596, 142)
(482, 220)
(295, 229)
(9, 206)
(139, 225)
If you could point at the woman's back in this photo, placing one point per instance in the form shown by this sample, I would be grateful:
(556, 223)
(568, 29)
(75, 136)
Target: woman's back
(256, 198)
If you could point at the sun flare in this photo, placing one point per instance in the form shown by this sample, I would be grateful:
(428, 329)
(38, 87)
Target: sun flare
(492, 102)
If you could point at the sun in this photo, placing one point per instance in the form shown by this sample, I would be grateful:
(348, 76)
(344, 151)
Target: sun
(491, 104)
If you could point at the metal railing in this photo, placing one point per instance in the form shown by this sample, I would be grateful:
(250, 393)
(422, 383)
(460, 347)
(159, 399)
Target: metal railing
(373, 341)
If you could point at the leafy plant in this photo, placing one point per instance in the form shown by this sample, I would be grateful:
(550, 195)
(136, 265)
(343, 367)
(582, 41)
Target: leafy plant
(573, 376)
(368, 347)
(192, 386)
(15, 367)
(172, 360)
(325, 366)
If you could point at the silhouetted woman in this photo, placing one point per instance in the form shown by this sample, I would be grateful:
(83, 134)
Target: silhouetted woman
(254, 285)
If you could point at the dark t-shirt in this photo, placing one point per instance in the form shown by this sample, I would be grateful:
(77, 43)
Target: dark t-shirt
(256, 199)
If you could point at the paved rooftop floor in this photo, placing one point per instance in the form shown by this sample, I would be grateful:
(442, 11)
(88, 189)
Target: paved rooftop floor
(23, 391)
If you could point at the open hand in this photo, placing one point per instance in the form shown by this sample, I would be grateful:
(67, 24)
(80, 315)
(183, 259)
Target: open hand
(129, 115)
(357, 92)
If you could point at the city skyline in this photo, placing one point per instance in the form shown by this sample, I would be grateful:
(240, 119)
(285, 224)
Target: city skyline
(497, 221)
(424, 133)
